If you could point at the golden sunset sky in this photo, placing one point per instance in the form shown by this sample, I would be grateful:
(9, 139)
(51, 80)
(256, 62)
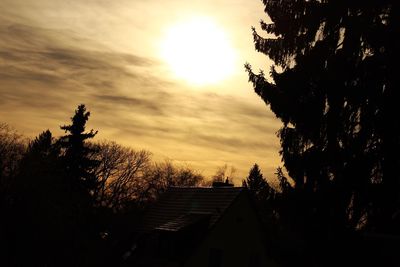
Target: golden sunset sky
(161, 75)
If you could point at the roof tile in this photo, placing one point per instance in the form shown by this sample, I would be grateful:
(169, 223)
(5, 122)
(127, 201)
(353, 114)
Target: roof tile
(173, 209)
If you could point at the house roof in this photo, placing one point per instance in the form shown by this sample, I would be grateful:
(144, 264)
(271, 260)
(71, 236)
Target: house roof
(183, 221)
(181, 206)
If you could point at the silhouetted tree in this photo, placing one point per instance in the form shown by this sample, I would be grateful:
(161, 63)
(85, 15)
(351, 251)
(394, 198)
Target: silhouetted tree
(255, 181)
(160, 176)
(40, 211)
(262, 193)
(224, 172)
(81, 182)
(186, 176)
(335, 89)
(66, 201)
(40, 167)
(120, 174)
(79, 166)
(12, 148)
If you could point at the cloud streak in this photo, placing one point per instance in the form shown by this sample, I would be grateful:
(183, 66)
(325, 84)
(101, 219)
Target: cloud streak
(46, 72)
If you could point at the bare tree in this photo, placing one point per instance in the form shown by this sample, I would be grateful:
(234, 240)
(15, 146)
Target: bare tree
(119, 174)
(126, 176)
(224, 172)
(220, 174)
(12, 148)
(165, 174)
(185, 176)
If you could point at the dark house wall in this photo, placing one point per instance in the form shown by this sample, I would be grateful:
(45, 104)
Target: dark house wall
(235, 240)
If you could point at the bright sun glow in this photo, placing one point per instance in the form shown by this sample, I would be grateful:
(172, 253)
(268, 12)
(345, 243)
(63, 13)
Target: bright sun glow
(198, 51)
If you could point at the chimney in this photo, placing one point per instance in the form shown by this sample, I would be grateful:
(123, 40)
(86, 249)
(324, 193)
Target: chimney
(217, 184)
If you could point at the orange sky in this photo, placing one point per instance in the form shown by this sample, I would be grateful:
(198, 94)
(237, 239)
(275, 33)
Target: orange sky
(56, 54)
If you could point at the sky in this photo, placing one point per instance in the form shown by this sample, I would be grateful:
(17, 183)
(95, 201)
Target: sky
(108, 55)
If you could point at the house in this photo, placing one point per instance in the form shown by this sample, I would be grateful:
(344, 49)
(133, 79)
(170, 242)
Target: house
(200, 226)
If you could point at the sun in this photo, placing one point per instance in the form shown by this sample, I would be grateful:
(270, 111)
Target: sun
(198, 51)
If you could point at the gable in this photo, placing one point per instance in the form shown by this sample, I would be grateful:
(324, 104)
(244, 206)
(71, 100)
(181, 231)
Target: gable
(199, 227)
(235, 240)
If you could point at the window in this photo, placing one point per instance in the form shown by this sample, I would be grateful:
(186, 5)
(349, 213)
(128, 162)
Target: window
(215, 258)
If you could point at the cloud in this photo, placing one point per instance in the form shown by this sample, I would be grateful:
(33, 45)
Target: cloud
(35, 49)
(203, 120)
(46, 72)
(36, 63)
(147, 106)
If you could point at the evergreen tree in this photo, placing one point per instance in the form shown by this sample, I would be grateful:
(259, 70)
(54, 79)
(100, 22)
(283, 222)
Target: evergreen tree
(40, 203)
(334, 87)
(81, 182)
(78, 164)
(43, 152)
(263, 195)
(40, 163)
(256, 183)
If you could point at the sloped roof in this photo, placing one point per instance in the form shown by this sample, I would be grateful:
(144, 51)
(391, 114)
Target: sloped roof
(181, 205)
(183, 221)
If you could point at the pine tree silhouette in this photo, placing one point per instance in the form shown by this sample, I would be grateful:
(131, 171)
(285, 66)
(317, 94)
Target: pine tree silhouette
(336, 92)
